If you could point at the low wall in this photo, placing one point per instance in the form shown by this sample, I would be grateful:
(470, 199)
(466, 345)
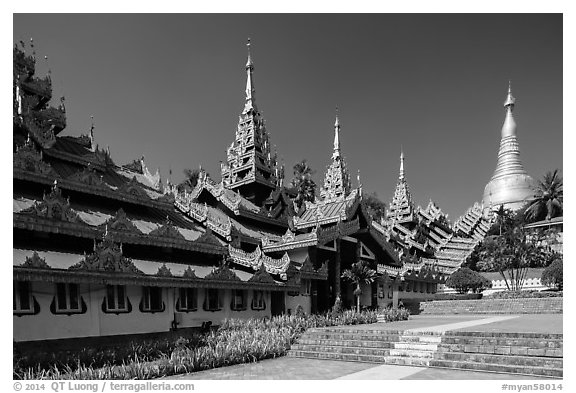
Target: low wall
(490, 306)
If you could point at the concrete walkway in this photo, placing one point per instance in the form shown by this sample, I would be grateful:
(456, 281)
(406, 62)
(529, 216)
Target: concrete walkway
(288, 368)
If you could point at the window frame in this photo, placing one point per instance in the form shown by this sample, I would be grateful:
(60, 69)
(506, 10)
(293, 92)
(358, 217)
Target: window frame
(146, 304)
(258, 300)
(209, 294)
(184, 293)
(17, 298)
(68, 298)
(234, 306)
(115, 299)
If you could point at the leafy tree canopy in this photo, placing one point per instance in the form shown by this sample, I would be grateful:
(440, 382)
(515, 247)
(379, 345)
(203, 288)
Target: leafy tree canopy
(465, 279)
(376, 208)
(553, 274)
(303, 184)
(548, 201)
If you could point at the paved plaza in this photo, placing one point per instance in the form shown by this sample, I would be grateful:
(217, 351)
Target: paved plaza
(287, 368)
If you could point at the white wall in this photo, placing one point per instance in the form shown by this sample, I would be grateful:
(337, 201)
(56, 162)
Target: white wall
(46, 326)
(292, 302)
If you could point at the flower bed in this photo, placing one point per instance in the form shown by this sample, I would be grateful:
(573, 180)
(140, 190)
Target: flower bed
(236, 341)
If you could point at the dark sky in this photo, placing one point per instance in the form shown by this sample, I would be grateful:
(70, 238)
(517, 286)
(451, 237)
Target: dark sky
(171, 87)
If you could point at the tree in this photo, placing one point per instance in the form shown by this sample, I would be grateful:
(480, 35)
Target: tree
(303, 183)
(548, 200)
(191, 179)
(359, 273)
(511, 254)
(504, 220)
(553, 274)
(376, 208)
(465, 279)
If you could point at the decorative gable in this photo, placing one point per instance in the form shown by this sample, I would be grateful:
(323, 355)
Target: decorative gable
(28, 159)
(54, 206)
(107, 256)
(262, 276)
(133, 188)
(121, 223)
(167, 230)
(87, 176)
(164, 271)
(36, 262)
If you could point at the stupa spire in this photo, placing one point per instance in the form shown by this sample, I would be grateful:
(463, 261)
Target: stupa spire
(510, 184)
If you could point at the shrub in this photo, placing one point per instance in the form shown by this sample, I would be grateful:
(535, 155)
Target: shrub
(235, 341)
(465, 279)
(524, 294)
(553, 274)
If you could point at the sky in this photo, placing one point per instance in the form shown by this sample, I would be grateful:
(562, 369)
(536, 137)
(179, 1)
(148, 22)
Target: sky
(171, 87)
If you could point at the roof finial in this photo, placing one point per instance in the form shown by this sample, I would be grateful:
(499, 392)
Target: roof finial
(249, 62)
(32, 46)
(91, 135)
(359, 182)
(401, 162)
(336, 136)
(510, 100)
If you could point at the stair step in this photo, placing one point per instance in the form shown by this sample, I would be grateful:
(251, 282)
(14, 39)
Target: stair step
(420, 339)
(409, 353)
(337, 356)
(500, 368)
(349, 343)
(416, 346)
(352, 330)
(406, 361)
(518, 342)
(341, 350)
(509, 360)
(349, 336)
(502, 350)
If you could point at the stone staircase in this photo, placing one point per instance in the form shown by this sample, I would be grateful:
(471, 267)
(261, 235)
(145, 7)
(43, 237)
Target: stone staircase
(414, 348)
(514, 353)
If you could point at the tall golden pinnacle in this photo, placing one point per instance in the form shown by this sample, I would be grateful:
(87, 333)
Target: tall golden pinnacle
(510, 185)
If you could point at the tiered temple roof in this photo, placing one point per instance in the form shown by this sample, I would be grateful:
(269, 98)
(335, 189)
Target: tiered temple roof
(250, 165)
(108, 223)
(401, 208)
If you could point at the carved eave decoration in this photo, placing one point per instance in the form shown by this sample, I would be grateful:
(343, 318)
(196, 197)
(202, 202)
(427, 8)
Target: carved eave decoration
(190, 273)
(107, 256)
(323, 270)
(292, 276)
(307, 267)
(88, 176)
(222, 273)
(133, 188)
(208, 238)
(54, 206)
(121, 223)
(262, 276)
(30, 160)
(35, 262)
(276, 266)
(167, 230)
(164, 271)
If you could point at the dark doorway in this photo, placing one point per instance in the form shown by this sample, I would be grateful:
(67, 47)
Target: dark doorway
(277, 303)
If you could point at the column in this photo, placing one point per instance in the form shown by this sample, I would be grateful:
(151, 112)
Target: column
(337, 289)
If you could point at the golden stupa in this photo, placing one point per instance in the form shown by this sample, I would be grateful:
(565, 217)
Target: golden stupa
(510, 185)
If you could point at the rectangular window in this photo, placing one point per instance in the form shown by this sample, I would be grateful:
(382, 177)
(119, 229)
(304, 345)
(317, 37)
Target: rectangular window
(187, 301)
(116, 298)
(258, 301)
(305, 287)
(212, 302)
(152, 299)
(67, 297)
(22, 297)
(238, 300)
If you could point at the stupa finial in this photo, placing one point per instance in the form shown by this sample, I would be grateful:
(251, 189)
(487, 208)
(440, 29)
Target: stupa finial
(510, 100)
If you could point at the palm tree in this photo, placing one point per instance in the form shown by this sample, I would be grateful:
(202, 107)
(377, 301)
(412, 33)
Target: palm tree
(503, 218)
(303, 183)
(191, 179)
(549, 198)
(358, 274)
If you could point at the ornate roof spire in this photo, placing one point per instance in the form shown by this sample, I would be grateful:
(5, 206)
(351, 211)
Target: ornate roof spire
(336, 152)
(250, 167)
(510, 100)
(337, 179)
(250, 92)
(401, 176)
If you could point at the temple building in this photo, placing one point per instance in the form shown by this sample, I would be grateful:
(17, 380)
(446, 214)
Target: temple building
(510, 186)
(424, 237)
